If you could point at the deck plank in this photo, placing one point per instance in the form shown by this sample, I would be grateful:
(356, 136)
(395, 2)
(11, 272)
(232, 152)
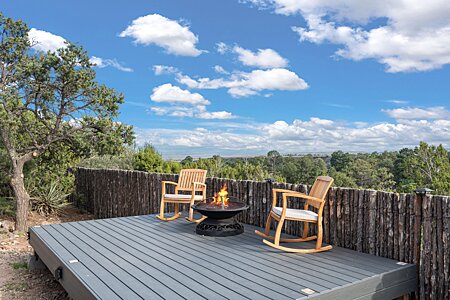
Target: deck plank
(233, 250)
(222, 271)
(254, 241)
(62, 257)
(177, 277)
(105, 269)
(127, 267)
(144, 258)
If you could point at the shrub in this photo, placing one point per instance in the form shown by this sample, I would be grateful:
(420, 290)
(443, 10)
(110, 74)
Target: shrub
(49, 199)
(123, 162)
(7, 207)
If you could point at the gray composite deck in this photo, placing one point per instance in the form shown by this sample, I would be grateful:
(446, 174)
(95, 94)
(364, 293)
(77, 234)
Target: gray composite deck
(144, 258)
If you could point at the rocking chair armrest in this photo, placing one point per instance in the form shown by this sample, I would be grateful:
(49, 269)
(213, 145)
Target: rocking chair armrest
(164, 182)
(199, 183)
(283, 191)
(194, 186)
(304, 196)
(275, 191)
(284, 206)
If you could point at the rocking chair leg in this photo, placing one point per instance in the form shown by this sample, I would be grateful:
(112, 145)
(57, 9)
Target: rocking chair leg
(268, 223)
(161, 210)
(266, 233)
(161, 213)
(191, 215)
(278, 231)
(305, 229)
(319, 235)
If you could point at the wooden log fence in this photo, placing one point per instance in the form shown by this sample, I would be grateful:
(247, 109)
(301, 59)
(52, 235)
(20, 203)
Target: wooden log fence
(406, 227)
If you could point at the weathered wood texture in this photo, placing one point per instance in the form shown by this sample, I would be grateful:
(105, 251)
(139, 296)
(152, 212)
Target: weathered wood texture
(404, 227)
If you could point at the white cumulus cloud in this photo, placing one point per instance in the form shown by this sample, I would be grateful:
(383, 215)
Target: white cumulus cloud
(410, 35)
(300, 136)
(45, 41)
(263, 58)
(242, 84)
(198, 112)
(173, 94)
(332, 135)
(223, 115)
(183, 103)
(163, 32)
(437, 112)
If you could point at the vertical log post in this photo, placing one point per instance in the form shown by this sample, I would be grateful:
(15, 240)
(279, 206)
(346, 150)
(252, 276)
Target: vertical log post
(268, 199)
(417, 247)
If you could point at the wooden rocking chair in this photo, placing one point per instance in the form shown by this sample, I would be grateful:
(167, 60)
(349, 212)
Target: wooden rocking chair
(316, 198)
(192, 180)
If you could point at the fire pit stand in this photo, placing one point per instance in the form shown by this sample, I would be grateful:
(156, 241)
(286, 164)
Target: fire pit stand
(220, 219)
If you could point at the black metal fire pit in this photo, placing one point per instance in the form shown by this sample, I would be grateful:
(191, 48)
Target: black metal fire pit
(220, 219)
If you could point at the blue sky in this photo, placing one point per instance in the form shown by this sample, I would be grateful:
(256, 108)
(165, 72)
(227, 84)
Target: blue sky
(245, 77)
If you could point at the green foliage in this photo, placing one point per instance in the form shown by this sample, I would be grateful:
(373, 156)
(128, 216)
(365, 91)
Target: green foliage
(342, 179)
(367, 173)
(68, 105)
(49, 199)
(171, 167)
(5, 169)
(303, 169)
(111, 138)
(123, 161)
(403, 171)
(241, 169)
(148, 159)
(425, 166)
(274, 159)
(246, 170)
(51, 166)
(7, 206)
(187, 160)
(340, 160)
(52, 114)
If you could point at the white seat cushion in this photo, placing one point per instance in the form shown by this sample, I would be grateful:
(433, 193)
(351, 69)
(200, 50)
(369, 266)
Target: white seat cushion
(182, 197)
(296, 213)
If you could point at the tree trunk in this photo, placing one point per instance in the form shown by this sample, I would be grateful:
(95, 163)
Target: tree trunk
(21, 195)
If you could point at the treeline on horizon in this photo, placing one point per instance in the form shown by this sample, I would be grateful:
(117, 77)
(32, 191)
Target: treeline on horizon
(425, 166)
(401, 171)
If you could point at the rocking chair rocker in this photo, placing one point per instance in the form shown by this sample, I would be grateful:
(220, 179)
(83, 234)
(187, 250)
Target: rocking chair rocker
(192, 180)
(316, 198)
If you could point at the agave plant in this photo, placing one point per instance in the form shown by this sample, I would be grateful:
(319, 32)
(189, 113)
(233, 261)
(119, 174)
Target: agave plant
(50, 200)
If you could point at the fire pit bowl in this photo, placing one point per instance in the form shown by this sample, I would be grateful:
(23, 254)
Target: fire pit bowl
(220, 219)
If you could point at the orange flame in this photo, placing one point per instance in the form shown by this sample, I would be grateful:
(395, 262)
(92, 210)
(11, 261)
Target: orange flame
(222, 195)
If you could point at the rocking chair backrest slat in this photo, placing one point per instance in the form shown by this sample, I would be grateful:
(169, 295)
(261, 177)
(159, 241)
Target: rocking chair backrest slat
(188, 176)
(320, 188)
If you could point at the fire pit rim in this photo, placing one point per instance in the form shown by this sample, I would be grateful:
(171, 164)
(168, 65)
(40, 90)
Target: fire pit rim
(217, 208)
(218, 212)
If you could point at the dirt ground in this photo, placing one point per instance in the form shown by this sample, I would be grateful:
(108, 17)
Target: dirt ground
(16, 281)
